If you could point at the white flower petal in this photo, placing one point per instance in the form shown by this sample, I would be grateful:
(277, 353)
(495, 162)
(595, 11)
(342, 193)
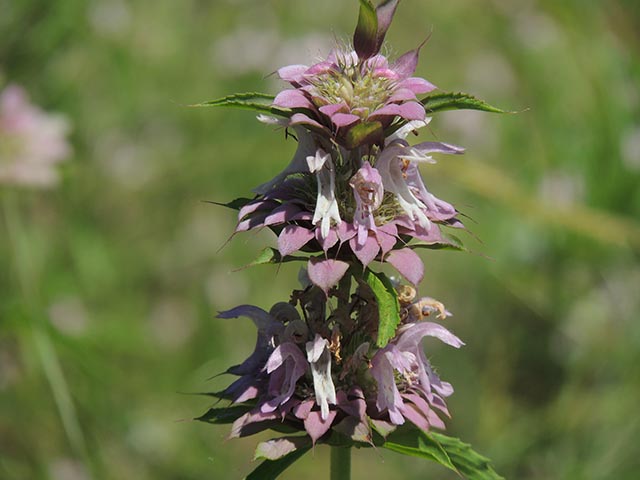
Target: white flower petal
(405, 130)
(326, 203)
(319, 357)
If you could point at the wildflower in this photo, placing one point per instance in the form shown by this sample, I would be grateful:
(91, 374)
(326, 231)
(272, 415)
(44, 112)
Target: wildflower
(326, 205)
(398, 167)
(386, 202)
(420, 389)
(367, 192)
(343, 359)
(269, 328)
(32, 142)
(347, 89)
(319, 358)
(307, 376)
(285, 365)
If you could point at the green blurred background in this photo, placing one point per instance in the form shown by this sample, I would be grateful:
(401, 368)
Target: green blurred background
(109, 284)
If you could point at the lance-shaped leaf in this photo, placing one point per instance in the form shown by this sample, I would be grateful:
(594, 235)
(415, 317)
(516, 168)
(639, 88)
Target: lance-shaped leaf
(271, 469)
(416, 443)
(384, 13)
(365, 36)
(372, 27)
(271, 256)
(222, 416)
(258, 102)
(236, 204)
(457, 101)
(469, 463)
(388, 305)
(447, 451)
(448, 242)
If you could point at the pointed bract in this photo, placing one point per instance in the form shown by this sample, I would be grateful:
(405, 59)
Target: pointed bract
(325, 272)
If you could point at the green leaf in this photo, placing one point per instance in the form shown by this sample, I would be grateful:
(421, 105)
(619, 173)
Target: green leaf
(270, 469)
(259, 102)
(225, 415)
(416, 443)
(447, 451)
(388, 305)
(450, 242)
(365, 36)
(266, 256)
(469, 463)
(364, 133)
(270, 256)
(457, 101)
(236, 204)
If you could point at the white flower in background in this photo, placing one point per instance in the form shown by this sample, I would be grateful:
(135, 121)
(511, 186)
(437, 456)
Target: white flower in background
(32, 142)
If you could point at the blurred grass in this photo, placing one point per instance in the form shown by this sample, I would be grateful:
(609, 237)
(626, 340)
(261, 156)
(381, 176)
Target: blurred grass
(126, 269)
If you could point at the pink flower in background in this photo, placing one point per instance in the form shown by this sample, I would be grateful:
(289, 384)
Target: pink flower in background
(32, 142)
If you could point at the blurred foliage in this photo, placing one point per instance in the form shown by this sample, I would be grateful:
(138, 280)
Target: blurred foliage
(122, 273)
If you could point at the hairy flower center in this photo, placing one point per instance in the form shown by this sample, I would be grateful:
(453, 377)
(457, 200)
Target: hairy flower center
(363, 92)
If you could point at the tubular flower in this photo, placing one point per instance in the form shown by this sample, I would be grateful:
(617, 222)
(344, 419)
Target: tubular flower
(397, 164)
(319, 358)
(364, 208)
(326, 205)
(314, 374)
(353, 189)
(367, 192)
(420, 390)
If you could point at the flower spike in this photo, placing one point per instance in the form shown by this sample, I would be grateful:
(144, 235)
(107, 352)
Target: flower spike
(341, 361)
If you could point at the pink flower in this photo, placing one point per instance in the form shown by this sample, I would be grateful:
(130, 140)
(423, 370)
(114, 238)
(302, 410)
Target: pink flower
(306, 376)
(344, 90)
(420, 390)
(368, 192)
(32, 142)
(385, 202)
(398, 166)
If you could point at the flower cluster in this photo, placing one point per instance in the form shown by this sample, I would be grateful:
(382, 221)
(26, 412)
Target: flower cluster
(32, 142)
(313, 369)
(342, 359)
(353, 187)
(342, 204)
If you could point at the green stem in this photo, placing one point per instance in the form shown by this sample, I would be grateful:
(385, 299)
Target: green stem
(340, 463)
(27, 280)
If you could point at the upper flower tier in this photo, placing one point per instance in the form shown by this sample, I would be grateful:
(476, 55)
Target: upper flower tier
(345, 90)
(353, 193)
